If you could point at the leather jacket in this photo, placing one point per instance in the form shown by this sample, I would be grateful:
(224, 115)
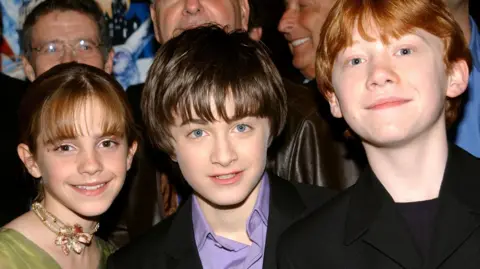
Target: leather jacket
(308, 151)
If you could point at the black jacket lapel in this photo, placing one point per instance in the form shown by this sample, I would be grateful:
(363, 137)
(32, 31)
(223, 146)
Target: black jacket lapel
(459, 213)
(286, 206)
(373, 219)
(180, 245)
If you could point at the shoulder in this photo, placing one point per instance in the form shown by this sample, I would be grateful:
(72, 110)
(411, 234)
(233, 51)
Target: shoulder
(312, 194)
(11, 247)
(321, 228)
(8, 236)
(148, 246)
(303, 195)
(106, 248)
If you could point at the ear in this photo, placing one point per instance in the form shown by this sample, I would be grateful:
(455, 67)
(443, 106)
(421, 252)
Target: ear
(131, 153)
(109, 62)
(334, 105)
(153, 16)
(173, 157)
(256, 33)
(245, 13)
(28, 160)
(28, 69)
(457, 79)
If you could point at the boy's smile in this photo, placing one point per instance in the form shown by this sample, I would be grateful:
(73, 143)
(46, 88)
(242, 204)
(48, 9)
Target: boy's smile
(392, 92)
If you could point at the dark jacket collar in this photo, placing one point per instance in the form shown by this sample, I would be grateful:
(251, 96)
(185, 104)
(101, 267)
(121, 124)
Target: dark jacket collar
(372, 214)
(180, 242)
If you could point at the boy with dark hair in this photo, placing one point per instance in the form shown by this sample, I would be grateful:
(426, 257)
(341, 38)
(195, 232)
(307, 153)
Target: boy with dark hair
(395, 69)
(214, 101)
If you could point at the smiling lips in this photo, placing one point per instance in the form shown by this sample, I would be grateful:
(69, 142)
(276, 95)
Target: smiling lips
(298, 42)
(389, 102)
(91, 189)
(227, 179)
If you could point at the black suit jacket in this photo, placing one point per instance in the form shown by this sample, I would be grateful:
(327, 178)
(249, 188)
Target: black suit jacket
(16, 187)
(171, 243)
(362, 229)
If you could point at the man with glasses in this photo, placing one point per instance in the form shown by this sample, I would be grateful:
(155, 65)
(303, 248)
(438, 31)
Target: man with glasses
(60, 31)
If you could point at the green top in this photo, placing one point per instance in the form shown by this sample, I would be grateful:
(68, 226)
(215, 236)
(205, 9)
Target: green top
(18, 252)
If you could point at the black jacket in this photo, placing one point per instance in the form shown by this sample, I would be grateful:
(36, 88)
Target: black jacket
(16, 187)
(171, 243)
(362, 228)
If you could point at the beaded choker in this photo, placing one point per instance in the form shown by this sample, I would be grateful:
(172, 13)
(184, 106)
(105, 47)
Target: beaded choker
(68, 237)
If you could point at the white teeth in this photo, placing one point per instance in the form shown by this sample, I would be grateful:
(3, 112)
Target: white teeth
(226, 176)
(300, 41)
(90, 188)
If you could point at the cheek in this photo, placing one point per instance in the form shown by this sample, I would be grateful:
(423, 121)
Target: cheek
(42, 65)
(190, 155)
(116, 162)
(224, 14)
(94, 61)
(255, 148)
(54, 170)
(168, 19)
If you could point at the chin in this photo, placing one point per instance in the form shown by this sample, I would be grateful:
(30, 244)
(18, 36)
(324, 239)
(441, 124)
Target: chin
(389, 141)
(91, 210)
(227, 201)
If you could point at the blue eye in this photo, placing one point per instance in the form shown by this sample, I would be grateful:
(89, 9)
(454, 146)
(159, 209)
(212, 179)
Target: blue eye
(241, 128)
(356, 61)
(197, 133)
(405, 51)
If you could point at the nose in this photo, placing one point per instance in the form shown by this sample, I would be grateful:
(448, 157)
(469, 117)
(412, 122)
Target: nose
(287, 21)
(89, 162)
(381, 74)
(192, 7)
(223, 152)
(68, 55)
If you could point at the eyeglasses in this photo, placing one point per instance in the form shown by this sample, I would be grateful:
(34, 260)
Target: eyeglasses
(81, 47)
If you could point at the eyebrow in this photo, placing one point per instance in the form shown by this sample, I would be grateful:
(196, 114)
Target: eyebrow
(194, 121)
(199, 121)
(56, 40)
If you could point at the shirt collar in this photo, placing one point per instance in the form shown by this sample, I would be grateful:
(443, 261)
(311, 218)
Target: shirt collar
(475, 43)
(262, 206)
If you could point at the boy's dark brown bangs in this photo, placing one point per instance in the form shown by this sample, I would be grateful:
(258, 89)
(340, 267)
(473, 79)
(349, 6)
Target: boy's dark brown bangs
(64, 112)
(214, 90)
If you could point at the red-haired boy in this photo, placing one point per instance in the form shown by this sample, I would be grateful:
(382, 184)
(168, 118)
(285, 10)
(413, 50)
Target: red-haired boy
(394, 69)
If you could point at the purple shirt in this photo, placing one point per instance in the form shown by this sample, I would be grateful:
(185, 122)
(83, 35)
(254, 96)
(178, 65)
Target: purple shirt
(217, 252)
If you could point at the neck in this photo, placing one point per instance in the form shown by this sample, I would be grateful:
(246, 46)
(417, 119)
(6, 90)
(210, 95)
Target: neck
(309, 73)
(411, 172)
(230, 222)
(67, 216)
(461, 14)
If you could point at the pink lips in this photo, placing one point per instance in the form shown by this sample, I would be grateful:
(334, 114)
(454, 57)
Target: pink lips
(92, 192)
(227, 181)
(389, 102)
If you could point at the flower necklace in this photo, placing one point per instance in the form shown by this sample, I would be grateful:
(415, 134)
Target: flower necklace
(68, 237)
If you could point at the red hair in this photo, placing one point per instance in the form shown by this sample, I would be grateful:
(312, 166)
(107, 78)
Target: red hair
(394, 18)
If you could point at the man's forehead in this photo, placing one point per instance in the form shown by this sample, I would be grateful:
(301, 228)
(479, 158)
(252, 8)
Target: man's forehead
(73, 23)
